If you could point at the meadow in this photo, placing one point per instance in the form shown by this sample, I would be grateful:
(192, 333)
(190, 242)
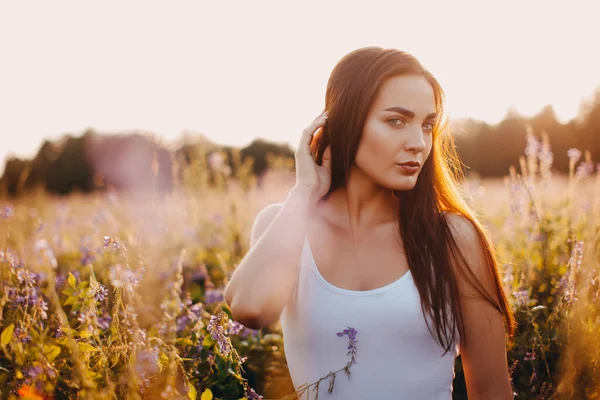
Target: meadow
(119, 294)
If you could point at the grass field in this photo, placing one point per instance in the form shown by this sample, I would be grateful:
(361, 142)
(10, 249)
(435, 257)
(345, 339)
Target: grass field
(119, 295)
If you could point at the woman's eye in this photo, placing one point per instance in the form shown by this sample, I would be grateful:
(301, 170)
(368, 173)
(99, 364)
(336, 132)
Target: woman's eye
(396, 119)
(430, 126)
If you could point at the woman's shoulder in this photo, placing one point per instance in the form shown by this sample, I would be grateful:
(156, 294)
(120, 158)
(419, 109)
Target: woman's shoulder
(263, 219)
(474, 249)
(460, 225)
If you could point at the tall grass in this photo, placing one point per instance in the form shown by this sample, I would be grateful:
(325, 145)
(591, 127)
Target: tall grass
(119, 295)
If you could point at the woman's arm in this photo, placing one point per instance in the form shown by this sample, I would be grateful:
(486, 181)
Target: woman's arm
(484, 356)
(263, 281)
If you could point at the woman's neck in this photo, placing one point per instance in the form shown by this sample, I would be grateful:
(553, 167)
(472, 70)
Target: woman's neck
(362, 203)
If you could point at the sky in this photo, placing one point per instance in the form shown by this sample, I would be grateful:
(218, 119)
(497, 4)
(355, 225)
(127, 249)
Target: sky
(237, 70)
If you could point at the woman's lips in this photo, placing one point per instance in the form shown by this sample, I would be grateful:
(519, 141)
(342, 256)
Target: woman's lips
(408, 169)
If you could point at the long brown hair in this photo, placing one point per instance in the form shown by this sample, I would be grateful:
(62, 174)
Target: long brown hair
(430, 247)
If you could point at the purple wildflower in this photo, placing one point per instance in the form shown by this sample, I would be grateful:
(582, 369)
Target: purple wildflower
(87, 318)
(42, 246)
(351, 332)
(6, 212)
(27, 277)
(252, 395)
(246, 332)
(58, 333)
(530, 356)
(212, 296)
(101, 293)
(584, 170)
(123, 276)
(147, 364)
(182, 323)
(43, 307)
(108, 240)
(32, 373)
(60, 281)
(87, 257)
(522, 297)
(217, 333)
(570, 294)
(234, 327)
(533, 146)
(21, 335)
(104, 321)
(197, 309)
(574, 155)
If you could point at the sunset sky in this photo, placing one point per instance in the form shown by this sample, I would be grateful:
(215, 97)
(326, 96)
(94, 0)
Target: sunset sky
(237, 70)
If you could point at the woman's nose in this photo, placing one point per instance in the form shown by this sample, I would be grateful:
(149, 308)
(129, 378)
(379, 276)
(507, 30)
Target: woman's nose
(416, 141)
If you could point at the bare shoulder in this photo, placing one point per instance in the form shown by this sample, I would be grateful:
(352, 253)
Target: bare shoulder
(474, 249)
(462, 228)
(263, 220)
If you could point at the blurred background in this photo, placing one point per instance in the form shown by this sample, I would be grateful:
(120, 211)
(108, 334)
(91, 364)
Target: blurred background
(253, 75)
(139, 140)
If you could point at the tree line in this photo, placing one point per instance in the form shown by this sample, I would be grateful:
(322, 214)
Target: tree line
(134, 161)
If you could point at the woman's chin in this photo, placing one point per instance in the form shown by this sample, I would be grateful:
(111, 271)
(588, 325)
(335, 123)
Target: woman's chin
(404, 184)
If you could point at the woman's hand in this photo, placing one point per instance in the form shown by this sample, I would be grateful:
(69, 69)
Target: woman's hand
(312, 178)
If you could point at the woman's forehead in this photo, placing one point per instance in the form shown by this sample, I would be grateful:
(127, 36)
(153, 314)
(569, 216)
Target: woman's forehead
(410, 92)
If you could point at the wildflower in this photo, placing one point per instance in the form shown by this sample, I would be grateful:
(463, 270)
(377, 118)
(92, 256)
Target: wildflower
(87, 257)
(248, 332)
(577, 254)
(60, 280)
(108, 240)
(101, 293)
(123, 276)
(42, 246)
(197, 309)
(545, 156)
(574, 155)
(216, 161)
(570, 295)
(217, 333)
(147, 365)
(533, 146)
(584, 170)
(43, 307)
(88, 318)
(234, 327)
(104, 321)
(6, 212)
(522, 297)
(182, 323)
(32, 373)
(21, 335)
(252, 395)
(212, 296)
(27, 277)
(117, 275)
(351, 332)
(508, 274)
(530, 356)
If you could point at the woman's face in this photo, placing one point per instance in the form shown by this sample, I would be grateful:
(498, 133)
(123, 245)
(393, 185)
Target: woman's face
(398, 129)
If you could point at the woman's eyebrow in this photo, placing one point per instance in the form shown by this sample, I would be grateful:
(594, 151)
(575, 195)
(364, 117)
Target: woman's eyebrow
(408, 113)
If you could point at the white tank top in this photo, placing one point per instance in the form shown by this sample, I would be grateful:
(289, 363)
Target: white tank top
(396, 356)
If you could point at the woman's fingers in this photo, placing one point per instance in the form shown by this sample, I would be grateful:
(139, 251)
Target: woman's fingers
(307, 134)
(315, 141)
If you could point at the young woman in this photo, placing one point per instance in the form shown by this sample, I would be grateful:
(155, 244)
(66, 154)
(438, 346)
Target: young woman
(374, 257)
